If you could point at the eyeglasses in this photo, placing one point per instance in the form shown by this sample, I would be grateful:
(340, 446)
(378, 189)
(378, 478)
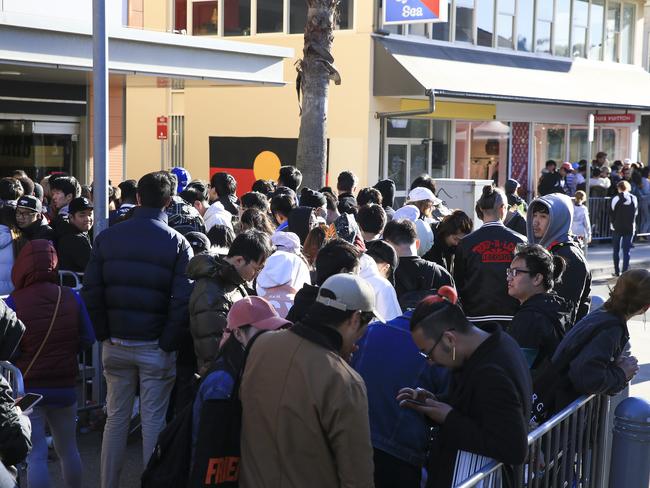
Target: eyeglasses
(512, 272)
(427, 354)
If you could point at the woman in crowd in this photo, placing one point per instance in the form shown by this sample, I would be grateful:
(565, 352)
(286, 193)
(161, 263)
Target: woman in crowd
(581, 225)
(448, 234)
(57, 329)
(595, 347)
(485, 414)
(253, 218)
(540, 323)
(10, 243)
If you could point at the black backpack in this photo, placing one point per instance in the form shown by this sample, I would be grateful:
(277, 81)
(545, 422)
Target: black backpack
(169, 464)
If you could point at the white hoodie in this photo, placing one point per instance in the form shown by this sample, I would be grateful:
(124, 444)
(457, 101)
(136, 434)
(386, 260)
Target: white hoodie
(385, 297)
(6, 260)
(282, 276)
(216, 214)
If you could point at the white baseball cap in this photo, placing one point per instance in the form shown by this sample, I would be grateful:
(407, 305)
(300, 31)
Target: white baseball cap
(420, 193)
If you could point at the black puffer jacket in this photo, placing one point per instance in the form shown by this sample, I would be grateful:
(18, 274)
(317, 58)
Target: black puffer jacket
(73, 247)
(538, 327)
(304, 299)
(217, 286)
(575, 286)
(416, 277)
(135, 286)
(39, 230)
(15, 429)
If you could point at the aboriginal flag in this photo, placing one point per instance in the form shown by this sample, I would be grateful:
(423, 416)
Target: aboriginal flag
(251, 158)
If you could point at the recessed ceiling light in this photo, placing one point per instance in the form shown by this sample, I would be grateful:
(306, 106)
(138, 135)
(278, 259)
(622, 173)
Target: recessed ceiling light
(10, 73)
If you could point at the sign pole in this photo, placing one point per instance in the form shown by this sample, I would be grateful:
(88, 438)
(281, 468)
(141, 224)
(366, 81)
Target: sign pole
(588, 172)
(161, 135)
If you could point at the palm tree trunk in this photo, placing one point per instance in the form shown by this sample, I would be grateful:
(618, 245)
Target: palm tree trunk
(314, 72)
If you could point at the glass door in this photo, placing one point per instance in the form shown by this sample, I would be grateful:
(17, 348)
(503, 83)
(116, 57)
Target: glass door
(406, 160)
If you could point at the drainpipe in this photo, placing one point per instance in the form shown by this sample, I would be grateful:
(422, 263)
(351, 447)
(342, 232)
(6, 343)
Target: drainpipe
(382, 116)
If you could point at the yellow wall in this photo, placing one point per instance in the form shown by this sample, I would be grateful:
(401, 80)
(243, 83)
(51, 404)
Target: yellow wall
(263, 111)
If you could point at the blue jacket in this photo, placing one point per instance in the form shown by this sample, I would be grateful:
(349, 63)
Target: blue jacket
(389, 360)
(135, 286)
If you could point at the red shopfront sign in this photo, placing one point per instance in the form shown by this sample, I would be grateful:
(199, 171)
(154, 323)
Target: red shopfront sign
(615, 119)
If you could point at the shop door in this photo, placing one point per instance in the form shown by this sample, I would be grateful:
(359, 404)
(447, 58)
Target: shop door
(38, 148)
(405, 161)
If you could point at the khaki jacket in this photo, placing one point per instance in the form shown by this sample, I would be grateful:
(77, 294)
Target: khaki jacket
(305, 414)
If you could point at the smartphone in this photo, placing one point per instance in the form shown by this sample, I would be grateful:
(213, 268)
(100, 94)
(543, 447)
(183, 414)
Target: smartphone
(28, 401)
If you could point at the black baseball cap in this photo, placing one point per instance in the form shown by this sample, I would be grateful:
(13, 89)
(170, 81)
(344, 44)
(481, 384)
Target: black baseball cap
(29, 202)
(79, 204)
(199, 242)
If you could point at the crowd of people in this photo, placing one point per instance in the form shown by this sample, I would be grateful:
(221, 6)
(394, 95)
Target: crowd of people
(365, 345)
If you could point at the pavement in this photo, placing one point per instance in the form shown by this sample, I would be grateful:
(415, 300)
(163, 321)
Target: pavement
(602, 265)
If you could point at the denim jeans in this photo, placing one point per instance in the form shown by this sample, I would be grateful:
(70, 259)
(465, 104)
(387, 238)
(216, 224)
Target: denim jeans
(62, 422)
(124, 368)
(623, 241)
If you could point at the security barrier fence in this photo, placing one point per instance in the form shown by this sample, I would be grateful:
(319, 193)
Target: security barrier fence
(569, 450)
(600, 221)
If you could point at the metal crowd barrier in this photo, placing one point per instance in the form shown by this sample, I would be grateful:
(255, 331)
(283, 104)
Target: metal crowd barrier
(600, 222)
(14, 377)
(90, 371)
(566, 451)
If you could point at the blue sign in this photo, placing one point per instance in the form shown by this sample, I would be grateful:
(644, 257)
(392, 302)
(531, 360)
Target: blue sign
(414, 11)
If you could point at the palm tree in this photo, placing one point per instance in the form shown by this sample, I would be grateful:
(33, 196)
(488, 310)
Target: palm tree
(315, 70)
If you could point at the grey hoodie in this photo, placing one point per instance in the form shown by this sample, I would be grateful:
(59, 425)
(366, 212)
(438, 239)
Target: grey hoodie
(575, 285)
(560, 211)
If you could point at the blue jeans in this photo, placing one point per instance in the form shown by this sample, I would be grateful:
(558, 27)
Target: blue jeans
(62, 422)
(622, 241)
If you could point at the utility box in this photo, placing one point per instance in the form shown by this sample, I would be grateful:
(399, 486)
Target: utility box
(461, 194)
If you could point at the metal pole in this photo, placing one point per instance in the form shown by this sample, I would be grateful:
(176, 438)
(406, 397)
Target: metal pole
(630, 466)
(100, 116)
(590, 137)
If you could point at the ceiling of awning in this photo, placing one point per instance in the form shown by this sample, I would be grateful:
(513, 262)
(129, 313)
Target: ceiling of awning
(475, 74)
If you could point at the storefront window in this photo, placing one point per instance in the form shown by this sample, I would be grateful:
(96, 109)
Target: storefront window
(614, 141)
(440, 149)
(482, 150)
(345, 18)
(297, 16)
(505, 23)
(408, 128)
(525, 16)
(627, 33)
(578, 144)
(550, 143)
(397, 154)
(580, 23)
(440, 30)
(237, 17)
(465, 21)
(596, 29)
(562, 27)
(485, 22)
(269, 16)
(205, 18)
(543, 26)
(613, 28)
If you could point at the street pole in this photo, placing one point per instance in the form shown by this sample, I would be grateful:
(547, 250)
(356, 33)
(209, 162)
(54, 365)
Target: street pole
(588, 172)
(100, 116)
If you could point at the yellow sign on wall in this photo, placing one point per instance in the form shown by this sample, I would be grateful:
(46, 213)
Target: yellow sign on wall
(452, 110)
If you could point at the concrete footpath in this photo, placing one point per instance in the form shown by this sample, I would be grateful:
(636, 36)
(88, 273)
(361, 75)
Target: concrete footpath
(601, 263)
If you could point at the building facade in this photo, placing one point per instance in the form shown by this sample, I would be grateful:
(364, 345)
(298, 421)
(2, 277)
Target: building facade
(514, 82)
(46, 79)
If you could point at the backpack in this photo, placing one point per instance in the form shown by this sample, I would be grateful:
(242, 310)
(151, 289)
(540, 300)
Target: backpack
(169, 464)
(218, 447)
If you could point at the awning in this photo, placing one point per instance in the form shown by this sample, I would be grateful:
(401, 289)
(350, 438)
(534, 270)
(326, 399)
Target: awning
(67, 45)
(488, 75)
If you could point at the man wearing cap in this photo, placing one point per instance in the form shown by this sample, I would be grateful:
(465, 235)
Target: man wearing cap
(247, 318)
(305, 410)
(30, 219)
(74, 246)
(568, 181)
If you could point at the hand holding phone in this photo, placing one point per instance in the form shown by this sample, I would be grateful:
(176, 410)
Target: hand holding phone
(417, 396)
(27, 402)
